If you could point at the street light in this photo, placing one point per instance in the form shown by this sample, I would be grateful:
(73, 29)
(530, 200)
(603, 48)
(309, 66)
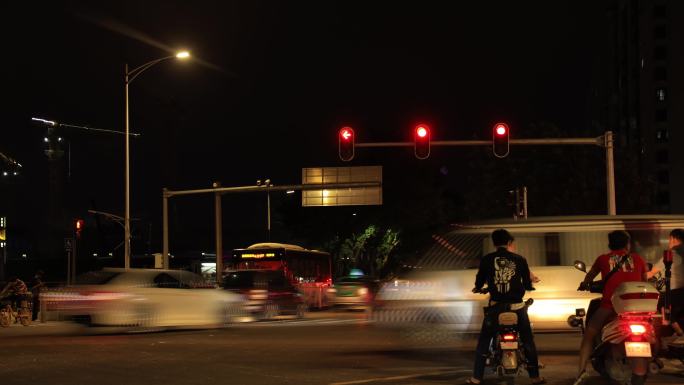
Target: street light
(128, 78)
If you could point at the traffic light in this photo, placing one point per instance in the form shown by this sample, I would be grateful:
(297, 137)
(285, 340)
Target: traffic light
(78, 226)
(500, 140)
(421, 140)
(346, 143)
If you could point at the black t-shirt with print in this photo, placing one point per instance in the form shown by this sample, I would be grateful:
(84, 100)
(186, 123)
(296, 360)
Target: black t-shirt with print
(507, 276)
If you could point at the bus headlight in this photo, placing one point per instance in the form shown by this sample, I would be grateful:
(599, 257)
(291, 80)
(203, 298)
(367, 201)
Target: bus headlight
(362, 291)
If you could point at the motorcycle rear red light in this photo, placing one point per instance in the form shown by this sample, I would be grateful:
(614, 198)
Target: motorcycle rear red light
(509, 337)
(637, 329)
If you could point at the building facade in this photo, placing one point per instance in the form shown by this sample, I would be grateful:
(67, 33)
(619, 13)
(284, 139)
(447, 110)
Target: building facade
(638, 92)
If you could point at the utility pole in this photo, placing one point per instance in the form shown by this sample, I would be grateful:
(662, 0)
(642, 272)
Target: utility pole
(610, 173)
(519, 202)
(218, 214)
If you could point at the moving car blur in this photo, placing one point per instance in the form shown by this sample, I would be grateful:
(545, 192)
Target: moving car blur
(353, 292)
(436, 292)
(444, 299)
(269, 293)
(144, 298)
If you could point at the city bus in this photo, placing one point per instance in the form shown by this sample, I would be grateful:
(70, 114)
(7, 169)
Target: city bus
(310, 271)
(436, 293)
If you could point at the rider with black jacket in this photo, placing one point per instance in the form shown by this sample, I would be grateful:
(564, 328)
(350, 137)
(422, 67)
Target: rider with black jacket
(507, 276)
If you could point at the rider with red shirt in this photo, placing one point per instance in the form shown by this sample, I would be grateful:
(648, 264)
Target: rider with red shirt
(633, 268)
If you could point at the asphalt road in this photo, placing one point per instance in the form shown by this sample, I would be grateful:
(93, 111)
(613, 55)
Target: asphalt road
(321, 350)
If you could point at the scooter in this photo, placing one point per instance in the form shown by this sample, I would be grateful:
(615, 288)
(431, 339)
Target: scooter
(671, 350)
(506, 355)
(626, 343)
(22, 314)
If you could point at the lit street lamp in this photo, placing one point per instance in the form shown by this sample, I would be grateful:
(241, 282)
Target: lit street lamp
(129, 77)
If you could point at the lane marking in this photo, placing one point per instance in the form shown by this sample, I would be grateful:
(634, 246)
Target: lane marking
(395, 378)
(313, 322)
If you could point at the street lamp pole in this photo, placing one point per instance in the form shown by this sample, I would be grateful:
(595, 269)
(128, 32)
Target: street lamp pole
(129, 76)
(127, 210)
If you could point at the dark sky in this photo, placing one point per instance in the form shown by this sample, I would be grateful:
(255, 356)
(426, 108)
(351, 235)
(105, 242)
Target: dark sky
(273, 81)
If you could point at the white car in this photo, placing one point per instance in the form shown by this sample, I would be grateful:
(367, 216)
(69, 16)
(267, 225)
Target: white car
(144, 298)
(444, 299)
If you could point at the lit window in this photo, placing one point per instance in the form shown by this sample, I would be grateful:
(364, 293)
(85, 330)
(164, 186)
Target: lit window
(662, 135)
(660, 94)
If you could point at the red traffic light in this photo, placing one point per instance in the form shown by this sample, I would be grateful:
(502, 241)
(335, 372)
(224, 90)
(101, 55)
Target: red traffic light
(346, 140)
(346, 133)
(421, 141)
(501, 129)
(78, 226)
(500, 140)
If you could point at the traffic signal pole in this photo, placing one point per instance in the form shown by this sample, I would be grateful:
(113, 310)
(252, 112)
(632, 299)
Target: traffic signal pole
(610, 172)
(605, 141)
(218, 221)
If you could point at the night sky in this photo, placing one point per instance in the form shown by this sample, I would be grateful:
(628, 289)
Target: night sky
(270, 85)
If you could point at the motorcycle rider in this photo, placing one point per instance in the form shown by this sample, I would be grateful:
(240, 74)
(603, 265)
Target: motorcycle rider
(508, 277)
(15, 290)
(676, 244)
(633, 268)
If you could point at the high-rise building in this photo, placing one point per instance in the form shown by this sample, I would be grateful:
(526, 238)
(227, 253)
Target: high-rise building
(639, 94)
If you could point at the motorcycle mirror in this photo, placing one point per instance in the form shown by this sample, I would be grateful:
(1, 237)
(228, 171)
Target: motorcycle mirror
(579, 265)
(574, 321)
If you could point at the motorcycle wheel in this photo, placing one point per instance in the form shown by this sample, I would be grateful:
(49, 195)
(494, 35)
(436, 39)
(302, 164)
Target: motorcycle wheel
(638, 380)
(655, 366)
(600, 366)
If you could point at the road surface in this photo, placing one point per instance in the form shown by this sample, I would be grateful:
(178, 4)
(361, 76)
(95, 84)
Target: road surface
(324, 349)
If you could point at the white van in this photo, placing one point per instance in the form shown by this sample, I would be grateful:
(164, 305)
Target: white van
(438, 290)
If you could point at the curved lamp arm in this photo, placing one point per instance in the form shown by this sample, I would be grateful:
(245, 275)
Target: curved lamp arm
(132, 74)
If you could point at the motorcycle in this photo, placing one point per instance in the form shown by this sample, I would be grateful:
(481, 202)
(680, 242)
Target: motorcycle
(506, 354)
(22, 314)
(627, 343)
(671, 349)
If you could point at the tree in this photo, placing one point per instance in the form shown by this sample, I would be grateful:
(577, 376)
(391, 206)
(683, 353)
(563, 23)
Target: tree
(370, 250)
